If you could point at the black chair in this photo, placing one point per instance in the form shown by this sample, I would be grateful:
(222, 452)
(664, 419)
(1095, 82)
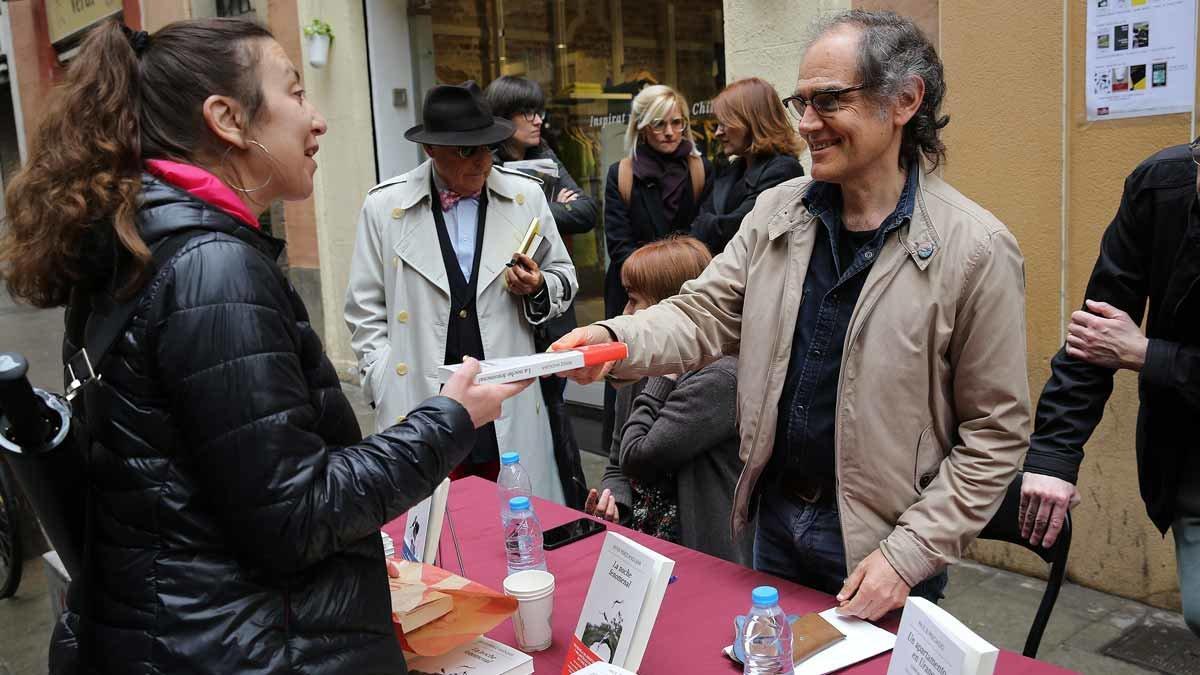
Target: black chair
(1004, 527)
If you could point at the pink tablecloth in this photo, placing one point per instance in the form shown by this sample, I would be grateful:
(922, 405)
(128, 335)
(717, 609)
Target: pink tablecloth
(696, 618)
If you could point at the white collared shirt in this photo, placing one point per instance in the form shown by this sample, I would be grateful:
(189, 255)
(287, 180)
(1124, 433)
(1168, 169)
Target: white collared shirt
(462, 225)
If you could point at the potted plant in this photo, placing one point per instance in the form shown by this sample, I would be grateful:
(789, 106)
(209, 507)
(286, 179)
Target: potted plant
(319, 35)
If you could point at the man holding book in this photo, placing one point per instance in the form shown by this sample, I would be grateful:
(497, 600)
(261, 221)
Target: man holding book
(879, 321)
(438, 275)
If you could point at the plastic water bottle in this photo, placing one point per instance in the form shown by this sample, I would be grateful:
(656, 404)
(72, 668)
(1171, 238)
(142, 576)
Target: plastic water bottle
(768, 635)
(523, 538)
(512, 482)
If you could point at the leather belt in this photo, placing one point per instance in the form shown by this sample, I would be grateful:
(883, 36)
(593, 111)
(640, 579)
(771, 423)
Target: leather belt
(808, 489)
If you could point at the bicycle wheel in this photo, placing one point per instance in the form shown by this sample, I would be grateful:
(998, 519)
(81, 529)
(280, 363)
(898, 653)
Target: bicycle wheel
(11, 553)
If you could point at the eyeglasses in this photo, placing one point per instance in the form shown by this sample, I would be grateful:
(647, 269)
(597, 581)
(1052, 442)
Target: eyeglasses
(660, 125)
(1194, 146)
(531, 115)
(824, 102)
(468, 151)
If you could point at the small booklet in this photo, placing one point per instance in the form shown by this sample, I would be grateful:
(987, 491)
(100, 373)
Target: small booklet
(621, 607)
(517, 368)
(481, 657)
(601, 668)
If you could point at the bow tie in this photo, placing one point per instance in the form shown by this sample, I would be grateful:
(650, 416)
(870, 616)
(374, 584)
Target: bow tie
(449, 198)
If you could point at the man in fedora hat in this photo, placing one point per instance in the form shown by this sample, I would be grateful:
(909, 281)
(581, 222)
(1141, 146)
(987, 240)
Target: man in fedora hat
(437, 276)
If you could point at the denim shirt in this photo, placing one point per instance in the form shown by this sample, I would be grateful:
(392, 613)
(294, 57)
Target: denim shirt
(804, 437)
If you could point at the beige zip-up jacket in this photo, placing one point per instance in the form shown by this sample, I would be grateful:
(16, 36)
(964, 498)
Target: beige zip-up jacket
(933, 413)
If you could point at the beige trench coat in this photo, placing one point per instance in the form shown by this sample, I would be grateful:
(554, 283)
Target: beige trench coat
(398, 304)
(933, 413)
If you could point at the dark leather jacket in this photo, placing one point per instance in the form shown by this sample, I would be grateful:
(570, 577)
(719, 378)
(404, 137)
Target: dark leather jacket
(734, 194)
(1150, 255)
(236, 505)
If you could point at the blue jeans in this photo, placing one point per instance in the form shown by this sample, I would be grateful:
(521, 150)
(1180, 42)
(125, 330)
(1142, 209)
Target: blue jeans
(802, 542)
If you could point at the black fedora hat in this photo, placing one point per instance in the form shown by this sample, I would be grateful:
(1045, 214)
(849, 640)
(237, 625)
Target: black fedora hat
(457, 114)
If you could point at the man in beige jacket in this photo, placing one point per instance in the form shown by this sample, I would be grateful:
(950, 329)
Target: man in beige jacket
(878, 317)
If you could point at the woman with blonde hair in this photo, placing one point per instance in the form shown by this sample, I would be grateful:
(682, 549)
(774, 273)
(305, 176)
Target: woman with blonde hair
(673, 460)
(657, 189)
(756, 134)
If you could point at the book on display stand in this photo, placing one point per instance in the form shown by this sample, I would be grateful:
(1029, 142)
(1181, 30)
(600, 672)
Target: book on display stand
(621, 607)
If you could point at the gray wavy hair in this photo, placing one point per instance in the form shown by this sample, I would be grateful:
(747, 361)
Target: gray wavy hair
(892, 51)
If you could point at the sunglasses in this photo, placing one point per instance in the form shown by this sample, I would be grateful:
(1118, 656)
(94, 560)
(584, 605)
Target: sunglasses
(468, 151)
(826, 102)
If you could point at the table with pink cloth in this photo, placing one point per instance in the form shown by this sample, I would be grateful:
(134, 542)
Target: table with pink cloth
(696, 618)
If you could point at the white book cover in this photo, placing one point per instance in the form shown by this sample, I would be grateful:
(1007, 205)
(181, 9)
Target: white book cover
(545, 166)
(517, 368)
(481, 657)
(931, 640)
(863, 640)
(622, 602)
(423, 526)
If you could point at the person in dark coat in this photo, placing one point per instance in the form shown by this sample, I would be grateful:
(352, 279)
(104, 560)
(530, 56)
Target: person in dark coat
(673, 459)
(523, 103)
(669, 182)
(235, 505)
(753, 129)
(1148, 266)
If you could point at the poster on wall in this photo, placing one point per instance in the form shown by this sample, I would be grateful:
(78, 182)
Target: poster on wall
(1141, 58)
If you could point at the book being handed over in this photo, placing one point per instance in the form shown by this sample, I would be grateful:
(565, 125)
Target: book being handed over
(517, 368)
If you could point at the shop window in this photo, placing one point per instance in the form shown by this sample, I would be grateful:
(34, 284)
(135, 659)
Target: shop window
(590, 57)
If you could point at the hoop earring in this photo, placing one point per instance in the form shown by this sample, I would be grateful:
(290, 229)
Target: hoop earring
(270, 178)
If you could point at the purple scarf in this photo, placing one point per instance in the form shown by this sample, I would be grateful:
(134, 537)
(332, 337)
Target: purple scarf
(669, 171)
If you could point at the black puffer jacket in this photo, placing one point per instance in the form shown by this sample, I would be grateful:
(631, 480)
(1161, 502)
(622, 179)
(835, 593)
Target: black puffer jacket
(237, 507)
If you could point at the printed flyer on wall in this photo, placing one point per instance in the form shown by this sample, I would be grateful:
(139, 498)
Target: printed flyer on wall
(1141, 57)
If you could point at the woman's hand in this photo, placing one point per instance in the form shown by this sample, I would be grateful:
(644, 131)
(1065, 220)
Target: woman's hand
(566, 196)
(602, 505)
(482, 401)
(580, 337)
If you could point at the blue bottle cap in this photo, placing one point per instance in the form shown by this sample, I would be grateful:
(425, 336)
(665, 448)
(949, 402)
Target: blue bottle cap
(763, 596)
(509, 458)
(522, 504)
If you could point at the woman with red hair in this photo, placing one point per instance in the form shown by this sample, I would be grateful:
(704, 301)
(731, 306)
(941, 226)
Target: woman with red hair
(755, 132)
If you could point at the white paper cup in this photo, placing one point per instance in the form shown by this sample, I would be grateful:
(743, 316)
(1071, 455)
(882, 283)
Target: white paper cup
(534, 593)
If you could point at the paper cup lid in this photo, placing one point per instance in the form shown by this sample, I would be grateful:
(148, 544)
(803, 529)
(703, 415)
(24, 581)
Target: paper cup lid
(528, 582)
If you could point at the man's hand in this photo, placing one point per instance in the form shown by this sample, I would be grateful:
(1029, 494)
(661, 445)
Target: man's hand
(1045, 501)
(580, 337)
(523, 278)
(1106, 337)
(482, 401)
(566, 196)
(602, 505)
(873, 589)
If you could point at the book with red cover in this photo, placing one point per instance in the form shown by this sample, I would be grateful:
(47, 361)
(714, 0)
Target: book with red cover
(517, 368)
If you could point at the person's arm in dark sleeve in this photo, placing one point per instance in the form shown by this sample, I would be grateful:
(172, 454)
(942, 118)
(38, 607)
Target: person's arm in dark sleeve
(1073, 399)
(618, 230)
(716, 230)
(672, 424)
(577, 216)
(248, 422)
(1172, 365)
